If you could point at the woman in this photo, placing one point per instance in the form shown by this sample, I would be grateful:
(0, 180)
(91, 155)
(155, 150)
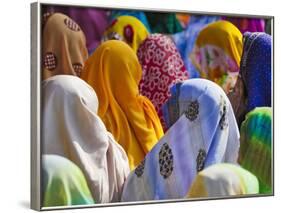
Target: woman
(217, 53)
(114, 72)
(128, 29)
(253, 87)
(162, 67)
(223, 180)
(72, 129)
(92, 21)
(63, 183)
(185, 40)
(255, 153)
(64, 47)
(204, 133)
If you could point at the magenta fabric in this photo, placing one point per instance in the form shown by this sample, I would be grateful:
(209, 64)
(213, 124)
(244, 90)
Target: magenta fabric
(162, 67)
(247, 24)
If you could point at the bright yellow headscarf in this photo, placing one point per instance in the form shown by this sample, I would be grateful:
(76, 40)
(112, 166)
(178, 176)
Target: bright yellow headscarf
(114, 72)
(217, 53)
(128, 29)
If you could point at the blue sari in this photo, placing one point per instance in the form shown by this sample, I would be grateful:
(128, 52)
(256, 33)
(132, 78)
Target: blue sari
(255, 69)
(204, 133)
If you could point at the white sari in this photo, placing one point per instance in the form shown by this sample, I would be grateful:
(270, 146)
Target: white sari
(72, 129)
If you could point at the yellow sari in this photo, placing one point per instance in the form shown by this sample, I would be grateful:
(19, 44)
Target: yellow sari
(114, 72)
(217, 53)
(128, 29)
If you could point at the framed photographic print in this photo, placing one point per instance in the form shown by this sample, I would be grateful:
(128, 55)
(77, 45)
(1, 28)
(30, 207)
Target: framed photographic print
(137, 105)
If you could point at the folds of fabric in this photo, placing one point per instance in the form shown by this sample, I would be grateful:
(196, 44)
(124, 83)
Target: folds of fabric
(204, 134)
(255, 152)
(135, 13)
(247, 24)
(114, 72)
(63, 183)
(128, 29)
(223, 180)
(162, 67)
(256, 69)
(72, 129)
(166, 23)
(217, 53)
(64, 47)
(92, 21)
(186, 39)
(253, 87)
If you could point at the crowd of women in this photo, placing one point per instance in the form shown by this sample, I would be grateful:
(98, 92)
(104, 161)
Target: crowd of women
(143, 106)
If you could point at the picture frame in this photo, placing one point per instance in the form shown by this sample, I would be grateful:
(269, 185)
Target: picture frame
(36, 102)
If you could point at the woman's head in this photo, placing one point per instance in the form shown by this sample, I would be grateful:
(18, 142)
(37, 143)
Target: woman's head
(64, 47)
(217, 53)
(162, 67)
(255, 151)
(253, 87)
(210, 116)
(221, 180)
(128, 29)
(113, 70)
(255, 69)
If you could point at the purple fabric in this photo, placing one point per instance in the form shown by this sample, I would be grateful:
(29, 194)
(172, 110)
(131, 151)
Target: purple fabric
(93, 22)
(247, 24)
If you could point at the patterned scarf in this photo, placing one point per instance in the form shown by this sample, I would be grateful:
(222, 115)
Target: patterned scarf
(162, 67)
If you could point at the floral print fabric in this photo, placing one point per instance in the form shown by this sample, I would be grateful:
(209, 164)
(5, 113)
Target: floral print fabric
(162, 68)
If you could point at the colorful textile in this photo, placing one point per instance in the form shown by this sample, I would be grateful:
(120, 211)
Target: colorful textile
(137, 14)
(162, 67)
(165, 23)
(217, 53)
(63, 183)
(185, 40)
(64, 47)
(72, 129)
(92, 21)
(114, 72)
(183, 18)
(255, 88)
(223, 180)
(205, 133)
(128, 29)
(255, 151)
(247, 24)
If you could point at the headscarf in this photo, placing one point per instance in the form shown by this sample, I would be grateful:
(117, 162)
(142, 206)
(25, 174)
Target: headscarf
(165, 23)
(63, 183)
(128, 29)
(204, 134)
(114, 72)
(64, 47)
(255, 152)
(223, 180)
(72, 129)
(217, 53)
(92, 21)
(137, 14)
(253, 87)
(185, 40)
(162, 67)
(247, 24)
